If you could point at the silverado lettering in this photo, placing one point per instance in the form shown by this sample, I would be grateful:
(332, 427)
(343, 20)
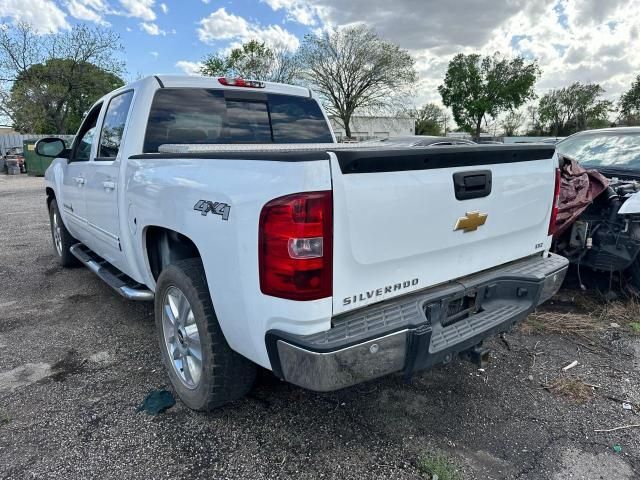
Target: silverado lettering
(368, 295)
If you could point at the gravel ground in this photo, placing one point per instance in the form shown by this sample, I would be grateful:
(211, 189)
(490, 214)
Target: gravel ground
(76, 360)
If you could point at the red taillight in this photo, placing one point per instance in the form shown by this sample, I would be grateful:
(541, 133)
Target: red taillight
(295, 246)
(556, 204)
(240, 82)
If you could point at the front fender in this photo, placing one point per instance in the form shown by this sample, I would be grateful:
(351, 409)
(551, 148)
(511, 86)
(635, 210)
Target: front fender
(631, 205)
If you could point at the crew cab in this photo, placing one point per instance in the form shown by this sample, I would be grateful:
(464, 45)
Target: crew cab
(262, 242)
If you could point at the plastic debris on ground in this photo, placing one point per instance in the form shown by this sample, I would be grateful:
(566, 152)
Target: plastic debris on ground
(156, 402)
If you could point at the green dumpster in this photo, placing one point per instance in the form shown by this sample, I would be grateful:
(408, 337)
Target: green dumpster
(36, 165)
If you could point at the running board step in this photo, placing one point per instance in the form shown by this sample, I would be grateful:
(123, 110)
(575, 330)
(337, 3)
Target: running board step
(121, 283)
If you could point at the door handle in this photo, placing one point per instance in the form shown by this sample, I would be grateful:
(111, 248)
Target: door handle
(79, 180)
(109, 185)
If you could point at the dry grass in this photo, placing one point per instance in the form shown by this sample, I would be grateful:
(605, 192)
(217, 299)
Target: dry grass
(622, 312)
(589, 314)
(554, 322)
(571, 388)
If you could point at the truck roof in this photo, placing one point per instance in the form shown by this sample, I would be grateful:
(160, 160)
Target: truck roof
(190, 81)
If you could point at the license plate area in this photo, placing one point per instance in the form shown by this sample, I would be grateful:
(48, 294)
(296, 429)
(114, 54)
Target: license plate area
(452, 310)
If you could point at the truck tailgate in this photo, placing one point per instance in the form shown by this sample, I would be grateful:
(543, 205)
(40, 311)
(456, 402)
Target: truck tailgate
(401, 224)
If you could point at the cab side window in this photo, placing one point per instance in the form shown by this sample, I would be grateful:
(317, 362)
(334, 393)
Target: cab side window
(113, 126)
(86, 135)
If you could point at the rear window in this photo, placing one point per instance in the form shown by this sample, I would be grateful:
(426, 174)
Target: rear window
(191, 115)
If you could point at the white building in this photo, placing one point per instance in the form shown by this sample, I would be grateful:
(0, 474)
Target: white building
(364, 128)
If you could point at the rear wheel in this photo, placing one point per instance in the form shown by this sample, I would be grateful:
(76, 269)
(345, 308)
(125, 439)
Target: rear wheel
(62, 239)
(203, 369)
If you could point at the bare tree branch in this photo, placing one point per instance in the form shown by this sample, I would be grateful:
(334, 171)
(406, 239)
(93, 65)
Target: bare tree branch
(354, 70)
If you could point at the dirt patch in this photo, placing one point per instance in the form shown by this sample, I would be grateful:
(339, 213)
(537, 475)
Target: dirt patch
(573, 389)
(24, 375)
(580, 465)
(70, 364)
(79, 298)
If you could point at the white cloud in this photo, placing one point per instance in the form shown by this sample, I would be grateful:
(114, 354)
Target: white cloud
(142, 9)
(151, 28)
(221, 25)
(574, 40)
(164, 8)
(43, 15)
(89, 10)
(190, 68)
(154, 54)
(296, 10)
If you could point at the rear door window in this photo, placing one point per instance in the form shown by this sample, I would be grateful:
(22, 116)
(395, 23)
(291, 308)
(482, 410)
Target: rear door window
(113, 126)
(209, 116)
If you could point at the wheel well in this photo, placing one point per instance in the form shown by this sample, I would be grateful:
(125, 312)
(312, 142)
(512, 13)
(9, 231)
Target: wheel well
(165, 246)
(50, 195)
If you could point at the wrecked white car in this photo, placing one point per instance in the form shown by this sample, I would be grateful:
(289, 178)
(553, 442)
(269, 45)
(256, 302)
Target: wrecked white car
(599, 212)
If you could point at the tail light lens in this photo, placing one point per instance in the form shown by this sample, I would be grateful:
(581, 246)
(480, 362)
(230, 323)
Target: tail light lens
(556, 204)
(295, 246)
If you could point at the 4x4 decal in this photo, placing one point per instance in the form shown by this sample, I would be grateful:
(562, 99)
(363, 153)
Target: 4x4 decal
(206, 206)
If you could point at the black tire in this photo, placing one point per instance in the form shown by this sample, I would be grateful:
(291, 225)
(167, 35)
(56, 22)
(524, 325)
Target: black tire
(62, 250)
(226, 375)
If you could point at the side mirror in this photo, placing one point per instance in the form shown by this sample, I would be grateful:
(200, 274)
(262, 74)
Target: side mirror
(51, 147)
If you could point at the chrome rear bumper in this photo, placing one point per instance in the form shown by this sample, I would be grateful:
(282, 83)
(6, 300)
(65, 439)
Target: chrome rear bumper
(415, 331)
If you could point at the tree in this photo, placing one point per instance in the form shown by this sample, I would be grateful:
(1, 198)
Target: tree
(48, 81)
(512, 122)
(534, 127)
(553, 112)
(254, 60)
(630, 104)
(574, 108)
(40, 98)
(353, 69)
(475, 87)
(429, 119)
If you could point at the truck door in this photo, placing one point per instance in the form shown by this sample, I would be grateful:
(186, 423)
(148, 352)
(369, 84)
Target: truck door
(73, 207)
(102, 186)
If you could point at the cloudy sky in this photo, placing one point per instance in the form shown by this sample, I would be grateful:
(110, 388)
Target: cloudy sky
(585, 40)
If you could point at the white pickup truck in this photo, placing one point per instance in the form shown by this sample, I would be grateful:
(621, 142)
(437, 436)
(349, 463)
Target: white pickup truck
(265, 243)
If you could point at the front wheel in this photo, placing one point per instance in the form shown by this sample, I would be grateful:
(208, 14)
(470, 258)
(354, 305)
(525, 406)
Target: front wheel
(62, 239)
(203, 369)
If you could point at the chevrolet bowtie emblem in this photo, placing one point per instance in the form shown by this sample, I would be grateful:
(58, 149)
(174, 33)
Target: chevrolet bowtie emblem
(471, 221)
